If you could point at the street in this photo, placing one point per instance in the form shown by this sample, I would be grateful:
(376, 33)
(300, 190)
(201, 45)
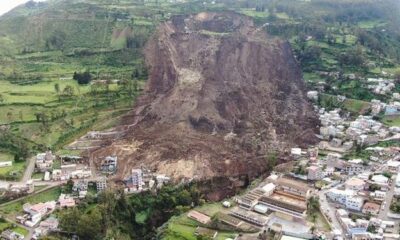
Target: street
(383, 213)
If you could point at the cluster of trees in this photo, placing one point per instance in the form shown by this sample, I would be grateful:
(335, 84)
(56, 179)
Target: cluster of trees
(395, 206)
(82, 78)
(15, 145)
(352, 57)
(56, 41)
(117, 216)
(139, 38)
(313, 207)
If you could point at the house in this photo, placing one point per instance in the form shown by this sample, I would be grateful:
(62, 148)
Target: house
(45, 227)
(354, 203)
(293, 187)
(334, 160)
(295, 152)
(44, 161)
(11, 235)
(80, 185)
(338, 195)
(312, 95)
(353, 167)
(80, 188)
(101, 184)
(80, 173)
(37, 211)
(355, 184)
(226, 204)
(367, 140)
(346, 197)
(268, 189)
(393, 166)
(378, 195)
(314, 173)
(109, 165)
(371, 208)
(137, 178)
(380, 180)
(57, 175)
(199, 217)
(66, 201)
(352, 228)
(46, 176)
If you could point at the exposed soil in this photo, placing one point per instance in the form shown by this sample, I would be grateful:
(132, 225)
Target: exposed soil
(220, 97)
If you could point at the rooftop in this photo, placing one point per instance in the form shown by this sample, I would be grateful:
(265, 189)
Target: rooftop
(355, 182)
(293, 184)
(371, 205)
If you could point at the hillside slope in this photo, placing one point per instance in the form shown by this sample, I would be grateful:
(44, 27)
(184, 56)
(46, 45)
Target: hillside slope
(220, 98)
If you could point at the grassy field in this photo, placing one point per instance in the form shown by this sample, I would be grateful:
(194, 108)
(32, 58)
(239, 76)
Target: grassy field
(7, 225)
(391, 121)
(320, 222)
(13, 172)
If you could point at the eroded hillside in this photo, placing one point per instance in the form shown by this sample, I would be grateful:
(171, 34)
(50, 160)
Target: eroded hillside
(221, 97)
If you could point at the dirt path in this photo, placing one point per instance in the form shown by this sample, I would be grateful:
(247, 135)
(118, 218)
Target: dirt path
(29, 170)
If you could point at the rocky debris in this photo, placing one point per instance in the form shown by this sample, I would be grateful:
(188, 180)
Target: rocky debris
(221, 97)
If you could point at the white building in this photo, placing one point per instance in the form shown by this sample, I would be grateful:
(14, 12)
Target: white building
(354, 203)
(353, 168)
(380, 179)
(393, 166)
(312, 95)
(347, 198)
(339, 196)
(137, 178)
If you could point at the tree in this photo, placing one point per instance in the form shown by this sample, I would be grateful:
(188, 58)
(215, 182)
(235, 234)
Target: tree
(69, 220)
(271, 160)
(82, 78)
(310, 54)
(313, 205)
(184, 198)
(90, 225)
(56, 40)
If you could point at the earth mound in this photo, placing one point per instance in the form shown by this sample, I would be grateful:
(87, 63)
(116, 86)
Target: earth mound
(220, 99)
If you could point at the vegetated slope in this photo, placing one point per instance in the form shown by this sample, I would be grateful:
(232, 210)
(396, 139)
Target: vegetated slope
(221, 97)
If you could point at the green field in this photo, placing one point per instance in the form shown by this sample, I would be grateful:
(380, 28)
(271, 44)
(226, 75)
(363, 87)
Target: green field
(392, 121)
